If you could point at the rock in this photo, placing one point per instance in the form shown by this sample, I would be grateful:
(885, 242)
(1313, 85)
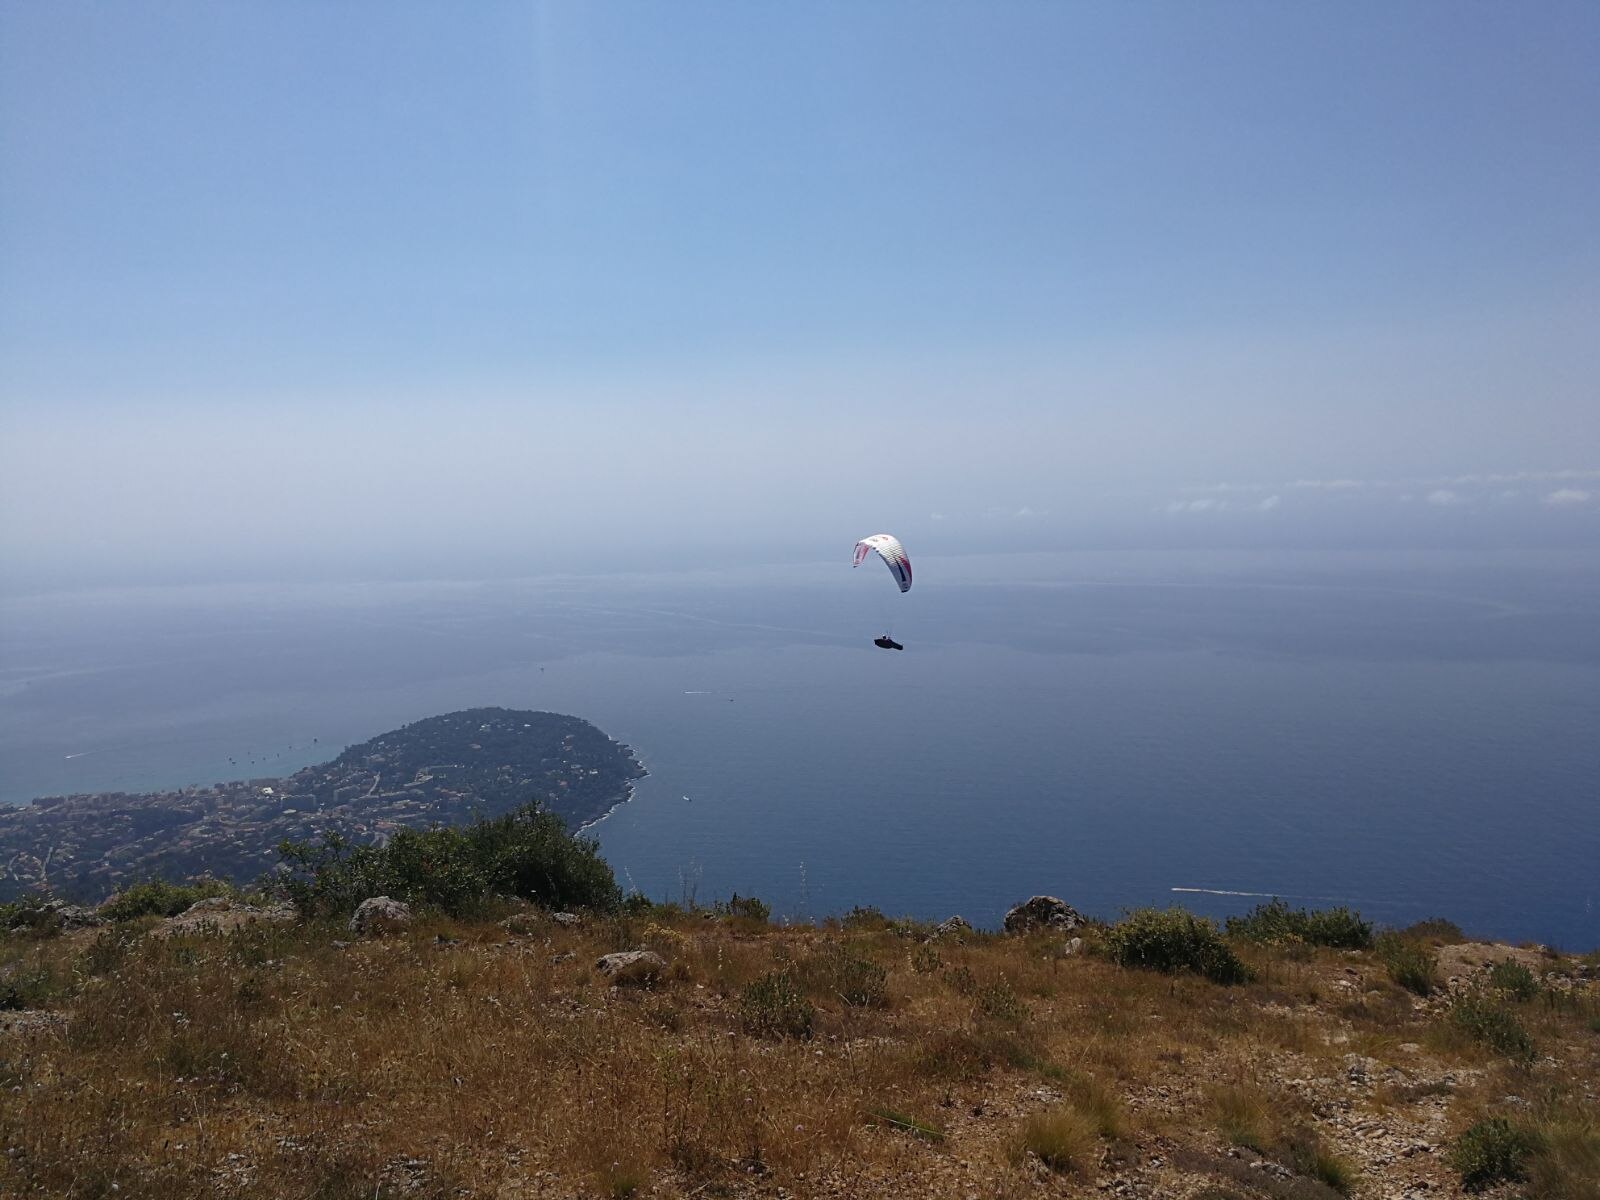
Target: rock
(31, 1020)
(952, 927)
(57, 915)
(570, 920)
(632, 966)
(75, 916)
(1359, 1069)
(219, 914)
(1042, 912)
(379, 915)
(522, 923)
(1073, 946)
(211, 904)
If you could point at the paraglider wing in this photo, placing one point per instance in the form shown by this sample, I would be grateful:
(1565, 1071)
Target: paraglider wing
(893, 554)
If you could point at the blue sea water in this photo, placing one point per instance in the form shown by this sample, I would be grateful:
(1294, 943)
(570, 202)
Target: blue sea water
(1417, 736)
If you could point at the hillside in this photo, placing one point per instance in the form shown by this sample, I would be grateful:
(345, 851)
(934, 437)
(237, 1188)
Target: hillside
(242, 1053)
(441, 770)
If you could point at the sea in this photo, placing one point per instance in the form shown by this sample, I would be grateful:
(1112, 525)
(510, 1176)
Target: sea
(1412, 735)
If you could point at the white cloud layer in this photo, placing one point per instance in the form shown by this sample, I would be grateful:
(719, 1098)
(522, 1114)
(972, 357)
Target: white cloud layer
(1567, 497)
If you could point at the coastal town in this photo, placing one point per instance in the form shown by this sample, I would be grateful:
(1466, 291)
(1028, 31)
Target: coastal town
(443, 770)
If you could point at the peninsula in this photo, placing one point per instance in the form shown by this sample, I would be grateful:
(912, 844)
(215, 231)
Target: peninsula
(440, 771)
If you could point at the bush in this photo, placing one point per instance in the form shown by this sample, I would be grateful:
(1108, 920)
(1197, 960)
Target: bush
(1411, 965)
(528, 854)
(1434, 929)
(27, 987)
(747, 908)
(1491, 1152)
(962, 980)
(926, 959)
(1275, 923)
(866, 919)
(999, 1000)
(773, 1006)
(1515, 980)
(157, 897)
(860, 983)
(1174, 941)
(1484, 1019)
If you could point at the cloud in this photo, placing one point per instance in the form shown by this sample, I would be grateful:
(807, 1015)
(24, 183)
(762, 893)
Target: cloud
(936, 516)
(1000, 513)
(1205, 504)
(1270, 503)
(1445, 498)
(1481, 480)
(1567, 497)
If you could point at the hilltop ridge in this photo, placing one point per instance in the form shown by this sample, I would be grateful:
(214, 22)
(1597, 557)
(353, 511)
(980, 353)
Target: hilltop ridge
(655, 1050)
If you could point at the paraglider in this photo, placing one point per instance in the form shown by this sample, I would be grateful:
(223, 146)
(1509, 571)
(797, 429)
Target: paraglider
(889, 549)
(893, 554)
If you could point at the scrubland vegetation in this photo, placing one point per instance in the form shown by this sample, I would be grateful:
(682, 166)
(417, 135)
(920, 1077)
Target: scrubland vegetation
(478, 1051)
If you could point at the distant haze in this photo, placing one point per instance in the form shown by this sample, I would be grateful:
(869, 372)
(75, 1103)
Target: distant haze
(343, 291)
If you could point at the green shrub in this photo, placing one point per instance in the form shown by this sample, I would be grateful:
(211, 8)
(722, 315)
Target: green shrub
(962, 980)
(774, 1006)
(926, 959)
(27, 987)
(1513, 979)
(159, 898)
(528, 854)
(1411, 965)
(1434, 929)
(1484, 1019)
(999, 1000)
(747, 908)
(866, 919)
(858, 982)
(1491, 1152)
(1275, 923)
(861, 983)
(1173, 941)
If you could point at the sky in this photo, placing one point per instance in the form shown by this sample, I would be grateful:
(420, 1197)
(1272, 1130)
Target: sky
(307, 290)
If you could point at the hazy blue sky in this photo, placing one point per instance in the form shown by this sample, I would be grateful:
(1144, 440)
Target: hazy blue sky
(440, 288)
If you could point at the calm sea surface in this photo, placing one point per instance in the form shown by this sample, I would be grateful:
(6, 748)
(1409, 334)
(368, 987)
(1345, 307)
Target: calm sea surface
(1416, 737)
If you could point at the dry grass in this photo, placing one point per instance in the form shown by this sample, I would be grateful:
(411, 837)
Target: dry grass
(1062, 1138)
(462, 1060)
